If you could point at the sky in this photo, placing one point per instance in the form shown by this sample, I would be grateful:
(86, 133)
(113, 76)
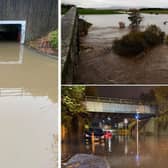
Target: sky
(118, 3)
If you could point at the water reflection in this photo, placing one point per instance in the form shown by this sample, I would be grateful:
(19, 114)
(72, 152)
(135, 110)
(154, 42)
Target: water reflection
(28, 108)
(36, 74)
(17, 58)
(125, 151)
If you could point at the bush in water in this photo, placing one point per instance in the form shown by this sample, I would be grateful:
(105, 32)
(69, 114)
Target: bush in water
(136, 42)
(153, 35)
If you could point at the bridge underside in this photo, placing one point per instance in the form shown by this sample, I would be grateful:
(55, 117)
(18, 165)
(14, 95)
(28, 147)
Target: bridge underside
(118, 107)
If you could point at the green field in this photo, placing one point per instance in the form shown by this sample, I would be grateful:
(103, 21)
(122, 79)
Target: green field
(154, 11)
(85, 11)
(98, 11)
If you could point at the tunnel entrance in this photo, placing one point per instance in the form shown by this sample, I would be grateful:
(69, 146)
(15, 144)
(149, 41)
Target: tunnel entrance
(12, 31)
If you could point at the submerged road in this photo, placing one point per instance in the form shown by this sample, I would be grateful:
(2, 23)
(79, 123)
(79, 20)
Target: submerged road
(125, 152)
(28, 108)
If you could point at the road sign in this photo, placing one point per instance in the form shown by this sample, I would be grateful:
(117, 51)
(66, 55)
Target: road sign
(137, 116)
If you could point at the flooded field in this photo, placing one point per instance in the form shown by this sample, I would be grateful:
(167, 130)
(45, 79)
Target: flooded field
(28, 108)
(104, 66)
(126, 152)
(113, 20)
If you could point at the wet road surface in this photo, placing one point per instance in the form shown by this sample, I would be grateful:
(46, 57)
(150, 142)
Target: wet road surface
(126, 152)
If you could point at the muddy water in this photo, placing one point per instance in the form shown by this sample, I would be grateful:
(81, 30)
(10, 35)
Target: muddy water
(99, 64)
(28, 108)
(113, 20)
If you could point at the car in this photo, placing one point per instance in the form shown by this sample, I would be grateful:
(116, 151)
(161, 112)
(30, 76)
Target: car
(97, 132)
(107, 134)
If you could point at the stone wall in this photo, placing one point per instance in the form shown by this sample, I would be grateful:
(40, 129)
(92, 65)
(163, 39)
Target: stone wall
(41, 15)
(70, 45)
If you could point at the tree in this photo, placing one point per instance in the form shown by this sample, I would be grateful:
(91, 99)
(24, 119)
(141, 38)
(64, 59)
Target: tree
(71, 102)
(73, 111)
(135, 18)
(161, 94)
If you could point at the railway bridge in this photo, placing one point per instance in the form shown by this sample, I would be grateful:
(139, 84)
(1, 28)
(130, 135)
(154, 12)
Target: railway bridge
(113, 111)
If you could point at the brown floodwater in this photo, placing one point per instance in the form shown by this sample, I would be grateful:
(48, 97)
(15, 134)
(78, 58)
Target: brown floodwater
(28, 108)
(99, 64)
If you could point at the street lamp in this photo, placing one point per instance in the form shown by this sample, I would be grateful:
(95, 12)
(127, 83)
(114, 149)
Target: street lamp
(137, 137)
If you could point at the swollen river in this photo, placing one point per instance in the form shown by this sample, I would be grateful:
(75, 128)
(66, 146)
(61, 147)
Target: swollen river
(99, 64)
(28, 108)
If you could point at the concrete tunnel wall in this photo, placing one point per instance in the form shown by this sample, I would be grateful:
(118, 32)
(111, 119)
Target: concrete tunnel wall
(41, 16)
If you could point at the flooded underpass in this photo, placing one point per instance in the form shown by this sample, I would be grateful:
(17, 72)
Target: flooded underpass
(125, 151)
(99, 64)
(28, 108)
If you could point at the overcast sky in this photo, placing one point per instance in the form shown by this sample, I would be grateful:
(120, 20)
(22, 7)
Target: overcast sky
(118, 3)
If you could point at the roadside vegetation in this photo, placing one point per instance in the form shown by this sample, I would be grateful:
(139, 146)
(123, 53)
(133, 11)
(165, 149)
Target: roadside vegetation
(73, 110)
(47, 44)
(53, 39)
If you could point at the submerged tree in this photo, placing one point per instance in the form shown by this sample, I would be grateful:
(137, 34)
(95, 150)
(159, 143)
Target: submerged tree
(135, 18)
